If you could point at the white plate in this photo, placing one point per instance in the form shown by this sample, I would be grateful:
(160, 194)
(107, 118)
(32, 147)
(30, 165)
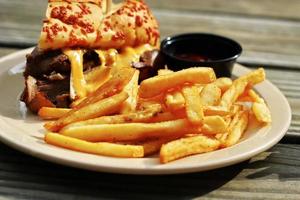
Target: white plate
(24, 131)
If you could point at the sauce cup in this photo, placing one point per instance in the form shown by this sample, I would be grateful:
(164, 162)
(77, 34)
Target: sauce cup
(201, 50)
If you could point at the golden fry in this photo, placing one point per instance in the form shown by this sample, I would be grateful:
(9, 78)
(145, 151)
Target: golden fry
(261, 112)
(193, 105)
(114, 85)
(130, 131)
(97, 77)
(103, 107)
(187, 146)
(232, 94)
(239, 85)
(175, 100)
(52, 113)
(138, 116)
(215, 110)
(210, 94)
(168, 116)
(213, 125)
(259, 108)
(223, 83)
(255, 97)
(159, 84)
(255, 77)
(236, 128)
(100, 148)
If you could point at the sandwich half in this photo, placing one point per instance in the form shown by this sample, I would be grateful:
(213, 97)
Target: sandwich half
(81, 45)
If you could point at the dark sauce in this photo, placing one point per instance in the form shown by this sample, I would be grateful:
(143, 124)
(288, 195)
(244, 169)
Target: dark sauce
(192, 57)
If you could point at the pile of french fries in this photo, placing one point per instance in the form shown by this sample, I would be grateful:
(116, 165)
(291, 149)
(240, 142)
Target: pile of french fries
(175, 114)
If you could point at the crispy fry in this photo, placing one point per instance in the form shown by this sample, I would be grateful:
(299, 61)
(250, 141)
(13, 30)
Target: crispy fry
(213, 125)
(255, 97)
(223, 83)
(52, 113)
(255, 77)
(215, 110)
(236, 129)
(175, 112)
(261, 112)
(114, 85)
(193, 105)
(239, 85)
(130, 131)
(259, 108)
(210, 94)
(175, 100)
(139, 116)
(97, 77)
(232, 94)
(168, 116)
(131, 88)
(100, 148)
(187, 146)
(158, 84)
(100, 108)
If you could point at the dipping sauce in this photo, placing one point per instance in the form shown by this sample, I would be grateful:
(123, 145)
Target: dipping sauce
(192, 57)
(200, 50)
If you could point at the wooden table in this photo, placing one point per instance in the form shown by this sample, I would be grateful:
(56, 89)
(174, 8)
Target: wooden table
(269, 31)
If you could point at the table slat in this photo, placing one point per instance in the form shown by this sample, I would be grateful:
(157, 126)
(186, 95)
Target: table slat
(273, 174)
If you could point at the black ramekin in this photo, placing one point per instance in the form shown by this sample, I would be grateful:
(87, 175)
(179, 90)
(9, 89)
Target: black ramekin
(221, 52)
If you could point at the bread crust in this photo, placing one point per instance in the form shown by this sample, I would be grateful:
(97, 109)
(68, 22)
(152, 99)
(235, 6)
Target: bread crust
(85, 24)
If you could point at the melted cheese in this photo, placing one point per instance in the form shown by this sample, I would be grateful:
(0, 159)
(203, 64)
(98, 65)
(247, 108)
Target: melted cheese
(81, 85)
(77, 81)
(131, 88)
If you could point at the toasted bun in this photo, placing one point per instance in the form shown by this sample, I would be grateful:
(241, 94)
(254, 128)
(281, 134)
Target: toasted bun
(85, 24)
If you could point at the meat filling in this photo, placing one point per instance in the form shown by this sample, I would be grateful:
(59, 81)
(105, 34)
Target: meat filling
(47, 78)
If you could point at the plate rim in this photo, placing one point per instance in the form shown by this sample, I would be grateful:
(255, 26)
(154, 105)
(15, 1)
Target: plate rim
(146, 171)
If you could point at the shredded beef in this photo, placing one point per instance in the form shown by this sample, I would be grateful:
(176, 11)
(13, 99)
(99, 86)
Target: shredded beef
(150, 62)
(47, 78)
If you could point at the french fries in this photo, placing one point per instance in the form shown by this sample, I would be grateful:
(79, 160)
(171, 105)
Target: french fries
(174, 114)
(193, 105)
(52, 113)
(210, 94)
(223, 83)
(114, 85)
(236, 129)
(175, 100)
(100, 108)
(239, 85)
(139, 116)
(101, 148)
(260, 108)
(158, 84)
(187, 146)
(130, 131)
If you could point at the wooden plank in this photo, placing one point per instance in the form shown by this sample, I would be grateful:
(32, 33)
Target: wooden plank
(21, 22)
(288, 9)
(278, 39)
(273, 174)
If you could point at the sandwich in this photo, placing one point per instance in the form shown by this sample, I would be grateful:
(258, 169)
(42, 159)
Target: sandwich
(80, 42)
